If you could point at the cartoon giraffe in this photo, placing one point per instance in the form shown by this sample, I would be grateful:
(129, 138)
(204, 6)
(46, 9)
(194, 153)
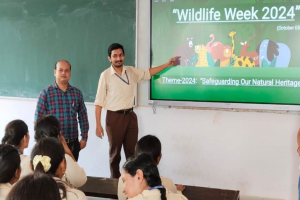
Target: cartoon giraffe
(202, 56)
(240, 61)
(244, 52)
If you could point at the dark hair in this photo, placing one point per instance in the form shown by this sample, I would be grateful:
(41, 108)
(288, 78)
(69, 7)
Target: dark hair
(115, 46)
(46, 126)
(64, 61)
(35, 186)
(149, 144)
(145, 163)
(15, 132)
(9, 162)
(52, 148)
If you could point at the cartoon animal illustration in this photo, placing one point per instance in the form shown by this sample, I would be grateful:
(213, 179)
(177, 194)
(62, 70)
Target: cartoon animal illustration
(202, 56)
(245, 45)
(193, 60)
(186, 51)
(211, 43)
(219, 51)
(270, 51)
(240, 61)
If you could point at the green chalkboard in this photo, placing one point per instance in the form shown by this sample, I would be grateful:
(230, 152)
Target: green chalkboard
(34, 34)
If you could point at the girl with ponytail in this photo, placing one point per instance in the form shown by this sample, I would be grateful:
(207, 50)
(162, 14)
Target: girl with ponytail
(9, 169)
(151, 145)
(141, 180)
(48, 126)
(17, 135)
(48, 157)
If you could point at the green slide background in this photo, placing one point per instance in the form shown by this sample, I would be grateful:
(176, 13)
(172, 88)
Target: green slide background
(167, 36)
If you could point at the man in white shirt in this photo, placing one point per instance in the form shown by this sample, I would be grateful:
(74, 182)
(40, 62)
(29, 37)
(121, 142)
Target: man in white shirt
(116, 90)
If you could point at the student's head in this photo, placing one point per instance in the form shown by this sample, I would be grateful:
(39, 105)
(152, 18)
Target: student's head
(140, 173)
(116, 55)
(151, 145)
(35, 186)
(62, 71)
(48, 156)
(46, 126)
(10, 169)
(16, 134)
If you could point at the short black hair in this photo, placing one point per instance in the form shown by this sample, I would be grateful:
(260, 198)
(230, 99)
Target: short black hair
(60, 61)
(150, 145)
(115, 46)
(46, 126)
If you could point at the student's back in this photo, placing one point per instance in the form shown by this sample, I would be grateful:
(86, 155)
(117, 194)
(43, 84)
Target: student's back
(48, 157)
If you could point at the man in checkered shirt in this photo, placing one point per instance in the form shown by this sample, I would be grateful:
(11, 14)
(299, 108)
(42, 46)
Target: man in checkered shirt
(65, 102)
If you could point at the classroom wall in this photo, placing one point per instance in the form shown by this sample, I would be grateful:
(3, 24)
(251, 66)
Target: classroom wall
(250, 151)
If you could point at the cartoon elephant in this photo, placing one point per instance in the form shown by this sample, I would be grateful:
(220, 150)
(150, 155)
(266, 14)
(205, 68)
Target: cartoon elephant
(269, 50)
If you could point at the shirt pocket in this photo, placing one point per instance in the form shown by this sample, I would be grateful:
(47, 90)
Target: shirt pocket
(74, 109)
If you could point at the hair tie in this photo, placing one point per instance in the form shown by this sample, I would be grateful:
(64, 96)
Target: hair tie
(44, 160)
(156, 187)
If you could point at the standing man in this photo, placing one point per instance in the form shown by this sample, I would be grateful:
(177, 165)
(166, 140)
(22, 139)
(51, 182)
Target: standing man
(116, 91)
(65, 102)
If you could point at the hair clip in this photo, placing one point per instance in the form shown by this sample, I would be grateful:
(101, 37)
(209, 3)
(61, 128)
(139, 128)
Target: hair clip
(44, 160)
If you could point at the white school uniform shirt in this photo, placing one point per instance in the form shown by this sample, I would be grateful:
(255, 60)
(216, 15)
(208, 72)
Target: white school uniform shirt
(4, 190)
(117, 92)
(71, 193)
(155, 195)
(166, 182)
(74, 175)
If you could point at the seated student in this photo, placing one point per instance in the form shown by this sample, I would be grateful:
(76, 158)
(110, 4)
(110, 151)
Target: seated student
(9, 169)
(48, 126)
(48, 156)
(141, 180)
(17, 134)
(151, 145)
(35, 186)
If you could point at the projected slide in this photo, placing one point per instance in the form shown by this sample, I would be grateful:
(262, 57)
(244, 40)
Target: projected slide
(231, 51)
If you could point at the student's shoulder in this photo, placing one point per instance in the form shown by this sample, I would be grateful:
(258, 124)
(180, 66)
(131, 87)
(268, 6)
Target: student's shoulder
(73, 193)
(168, 183)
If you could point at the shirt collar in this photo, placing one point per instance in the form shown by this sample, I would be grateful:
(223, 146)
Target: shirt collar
(56, 86)
(113, 71)
(20, 152)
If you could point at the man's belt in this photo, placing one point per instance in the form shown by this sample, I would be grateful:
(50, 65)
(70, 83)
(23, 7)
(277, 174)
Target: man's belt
(71, 140)
(124, 111)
